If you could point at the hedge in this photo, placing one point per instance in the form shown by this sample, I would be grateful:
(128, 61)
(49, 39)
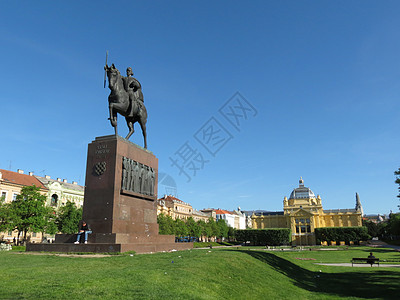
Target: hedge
(271, 236)
(338, 234)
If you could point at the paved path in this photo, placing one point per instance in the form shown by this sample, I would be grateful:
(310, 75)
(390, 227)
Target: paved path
(382, 244)
(361, 265)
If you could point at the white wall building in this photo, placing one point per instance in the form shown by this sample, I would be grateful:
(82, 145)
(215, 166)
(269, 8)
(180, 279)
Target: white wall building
(235, 219)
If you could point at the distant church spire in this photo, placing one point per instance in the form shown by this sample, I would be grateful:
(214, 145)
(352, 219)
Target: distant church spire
(358, 205)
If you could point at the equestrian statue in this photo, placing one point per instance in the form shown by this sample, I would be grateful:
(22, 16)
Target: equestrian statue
(126, 98)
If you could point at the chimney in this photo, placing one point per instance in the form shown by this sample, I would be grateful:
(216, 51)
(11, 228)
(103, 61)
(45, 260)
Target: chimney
(20, 171)
(74, 182)
(47, 176)
(65, 180)
(30, 173)
(59, 179)
(1, 175)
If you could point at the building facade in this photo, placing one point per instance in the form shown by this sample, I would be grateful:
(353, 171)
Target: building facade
(61, 191)
(57, 192)
(11, 184)
(235, 219)
(303, 212)
(177, 209)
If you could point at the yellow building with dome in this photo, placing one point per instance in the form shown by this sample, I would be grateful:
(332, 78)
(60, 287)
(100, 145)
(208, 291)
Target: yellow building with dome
(303, 212)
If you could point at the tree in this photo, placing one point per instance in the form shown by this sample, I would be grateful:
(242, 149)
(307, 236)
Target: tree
(204, 228)
(222, 229)
(193, 227)
(68, 218)
(374, 229)
(180, 228)
(393, 226)
(4, 215)
(166, 224)
(231, 233)
(28, 212)
(51, 225)
(397, 173)
(213, 228)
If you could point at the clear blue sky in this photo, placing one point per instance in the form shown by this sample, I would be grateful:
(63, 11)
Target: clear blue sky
(322, 78)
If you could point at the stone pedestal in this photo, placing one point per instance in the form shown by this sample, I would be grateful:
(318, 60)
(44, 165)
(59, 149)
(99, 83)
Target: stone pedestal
(120, 202)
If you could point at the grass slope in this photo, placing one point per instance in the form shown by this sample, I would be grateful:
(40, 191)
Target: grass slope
(196, 274)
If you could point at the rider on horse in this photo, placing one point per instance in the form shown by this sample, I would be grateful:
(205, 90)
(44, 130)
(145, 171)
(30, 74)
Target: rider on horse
(134, 89)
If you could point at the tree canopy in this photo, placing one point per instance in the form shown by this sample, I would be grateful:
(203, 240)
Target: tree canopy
(397, 173)
(190, 227)
(4, 215)
(68, 218)
(28, 212)
(166, 224)
(223, 229)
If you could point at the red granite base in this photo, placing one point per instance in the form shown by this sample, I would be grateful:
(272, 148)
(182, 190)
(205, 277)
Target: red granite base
(122, 219)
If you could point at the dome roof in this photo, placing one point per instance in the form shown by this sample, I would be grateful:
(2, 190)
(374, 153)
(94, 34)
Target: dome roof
(301, 192)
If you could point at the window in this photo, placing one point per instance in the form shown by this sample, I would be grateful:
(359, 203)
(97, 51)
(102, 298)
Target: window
(10, 233)
(14, 197)
(302, 226)
(3, 195)
(54, 200)
(33, 234)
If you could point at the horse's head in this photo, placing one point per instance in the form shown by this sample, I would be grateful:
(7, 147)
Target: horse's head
(113, 75)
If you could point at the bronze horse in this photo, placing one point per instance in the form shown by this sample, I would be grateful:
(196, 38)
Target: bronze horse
(118, 102)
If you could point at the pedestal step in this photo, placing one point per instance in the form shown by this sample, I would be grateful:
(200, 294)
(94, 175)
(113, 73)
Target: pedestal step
(105, 248)
(71, 247)
(117, 238)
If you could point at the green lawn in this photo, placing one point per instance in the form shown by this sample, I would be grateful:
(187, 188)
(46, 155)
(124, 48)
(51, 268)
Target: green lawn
(198, 274)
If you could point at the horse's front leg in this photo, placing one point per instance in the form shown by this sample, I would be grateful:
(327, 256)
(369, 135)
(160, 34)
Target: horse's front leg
(143, 125)
(115, 126)
(113, 115)
(129, 122)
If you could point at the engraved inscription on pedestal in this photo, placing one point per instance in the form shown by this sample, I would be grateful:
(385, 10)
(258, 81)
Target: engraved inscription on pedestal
(137, 178)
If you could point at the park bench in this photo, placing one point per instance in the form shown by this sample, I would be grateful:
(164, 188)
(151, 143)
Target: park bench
(370, 261)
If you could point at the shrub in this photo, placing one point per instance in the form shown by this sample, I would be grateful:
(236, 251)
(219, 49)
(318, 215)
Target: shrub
(271, 236)
(337, 234)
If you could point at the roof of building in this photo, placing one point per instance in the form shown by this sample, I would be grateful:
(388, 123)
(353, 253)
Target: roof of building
(262, 212)
(20, 179)
(271, 213)
(67, 185)
(301, 192)
(377, 218)
(199, 213)
(222, 212)
(344, 210)
(173, 199)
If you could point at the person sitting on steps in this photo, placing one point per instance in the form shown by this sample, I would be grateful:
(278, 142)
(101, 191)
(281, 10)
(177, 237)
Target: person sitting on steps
(84, 228)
